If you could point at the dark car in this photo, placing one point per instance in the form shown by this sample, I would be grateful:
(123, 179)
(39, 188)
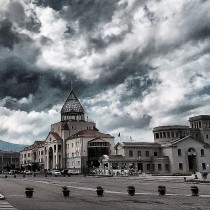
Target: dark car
(64, 172)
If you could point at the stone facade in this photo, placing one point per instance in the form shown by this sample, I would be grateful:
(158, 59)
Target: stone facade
(176, 149)
(69, 142)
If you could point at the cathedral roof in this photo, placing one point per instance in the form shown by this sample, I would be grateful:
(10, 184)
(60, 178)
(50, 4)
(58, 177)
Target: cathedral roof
(91, 133)
(72, 104)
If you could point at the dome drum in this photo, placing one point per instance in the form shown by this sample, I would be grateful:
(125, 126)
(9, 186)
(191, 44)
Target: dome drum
(165, 134)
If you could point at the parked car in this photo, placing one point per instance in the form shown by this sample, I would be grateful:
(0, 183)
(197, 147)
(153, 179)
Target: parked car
(64, 171)
(73, 172)
(27, 172)
(49, 172)
(11, 172)
(56, 173)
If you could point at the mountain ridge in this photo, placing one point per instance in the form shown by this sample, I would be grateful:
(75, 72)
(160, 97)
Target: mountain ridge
(7, 146)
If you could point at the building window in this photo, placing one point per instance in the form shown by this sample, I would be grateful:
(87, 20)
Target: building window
(72, 154)
(172, 134)
(160, 135)
(199, 124)
(168, 134)
(139, 153)
(148, 167)
(59, 148)
(157, 135)
(164, 134)
(130, 153)
(153, 167)
(202, 152)
(207, 136)
(155, 153)
(54, 148)
(159, 167)
(42, 152)
(179, 152)
(29, 154)
(180, 166)
(167, 167)
(203, 166)
(72, 145)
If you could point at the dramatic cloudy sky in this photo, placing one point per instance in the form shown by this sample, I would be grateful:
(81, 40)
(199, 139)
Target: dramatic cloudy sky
(134, 64)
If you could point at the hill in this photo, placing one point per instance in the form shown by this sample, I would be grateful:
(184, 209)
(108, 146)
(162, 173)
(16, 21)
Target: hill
(6, 146)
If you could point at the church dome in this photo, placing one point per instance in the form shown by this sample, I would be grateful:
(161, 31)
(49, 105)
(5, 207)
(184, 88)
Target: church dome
(72, 108)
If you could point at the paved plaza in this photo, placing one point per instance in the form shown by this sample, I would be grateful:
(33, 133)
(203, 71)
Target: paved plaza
(48, 193)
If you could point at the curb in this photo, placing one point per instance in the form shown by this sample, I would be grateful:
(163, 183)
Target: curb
(2, 197)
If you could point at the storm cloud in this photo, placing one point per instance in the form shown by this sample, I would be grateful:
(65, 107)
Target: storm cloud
(134, 64)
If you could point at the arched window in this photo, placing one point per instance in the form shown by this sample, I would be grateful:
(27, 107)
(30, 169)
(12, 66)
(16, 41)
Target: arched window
(202, 152)
(179, 152)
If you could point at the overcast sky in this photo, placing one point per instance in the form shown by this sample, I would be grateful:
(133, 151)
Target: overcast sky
(134, 64)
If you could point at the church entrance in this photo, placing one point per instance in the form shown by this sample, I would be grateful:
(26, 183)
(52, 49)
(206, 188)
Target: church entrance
(192, 162)
(96, 149)
(50, 158)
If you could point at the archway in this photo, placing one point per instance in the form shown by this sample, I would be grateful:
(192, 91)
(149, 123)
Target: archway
(192, 162)
(50, 158)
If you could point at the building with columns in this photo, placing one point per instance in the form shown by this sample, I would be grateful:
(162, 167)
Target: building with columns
(76, 143)
(71, 143)
(176, 149)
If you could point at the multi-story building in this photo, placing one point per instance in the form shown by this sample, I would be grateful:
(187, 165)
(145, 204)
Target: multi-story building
(176, 149)
(32, 157)
(74, 142)
(9, 160)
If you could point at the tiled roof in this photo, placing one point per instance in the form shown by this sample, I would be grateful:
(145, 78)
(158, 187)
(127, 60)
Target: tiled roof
(91, 133)
(56, 136)
(39, 142)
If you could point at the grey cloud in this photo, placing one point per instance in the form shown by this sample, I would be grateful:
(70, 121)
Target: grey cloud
(19, 79)
(8, 37)
(128, 122)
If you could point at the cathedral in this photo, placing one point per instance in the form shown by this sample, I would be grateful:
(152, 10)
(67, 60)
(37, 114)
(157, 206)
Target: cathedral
(73, 143)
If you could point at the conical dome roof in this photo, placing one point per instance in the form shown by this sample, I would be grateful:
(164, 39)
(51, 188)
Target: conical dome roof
(72, 104)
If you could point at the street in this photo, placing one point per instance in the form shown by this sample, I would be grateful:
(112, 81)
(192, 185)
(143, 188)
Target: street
(48, 193)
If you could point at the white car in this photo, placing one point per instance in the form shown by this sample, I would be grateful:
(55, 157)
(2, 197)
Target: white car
(27, 172)
(73, 172)
(56, 173)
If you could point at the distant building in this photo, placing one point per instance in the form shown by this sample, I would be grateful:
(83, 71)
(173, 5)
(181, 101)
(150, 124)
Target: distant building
(72, 143)
(176, 150)
(9, 160)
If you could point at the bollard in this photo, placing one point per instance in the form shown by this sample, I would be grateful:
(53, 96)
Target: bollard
(100, 191)
(14, 176)
(65, 191)
(194, 190)
(24, 175)
(131, 190)
(5, 176)
(185, 179)
(45, 175)
(29, 192)
(161, 190)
